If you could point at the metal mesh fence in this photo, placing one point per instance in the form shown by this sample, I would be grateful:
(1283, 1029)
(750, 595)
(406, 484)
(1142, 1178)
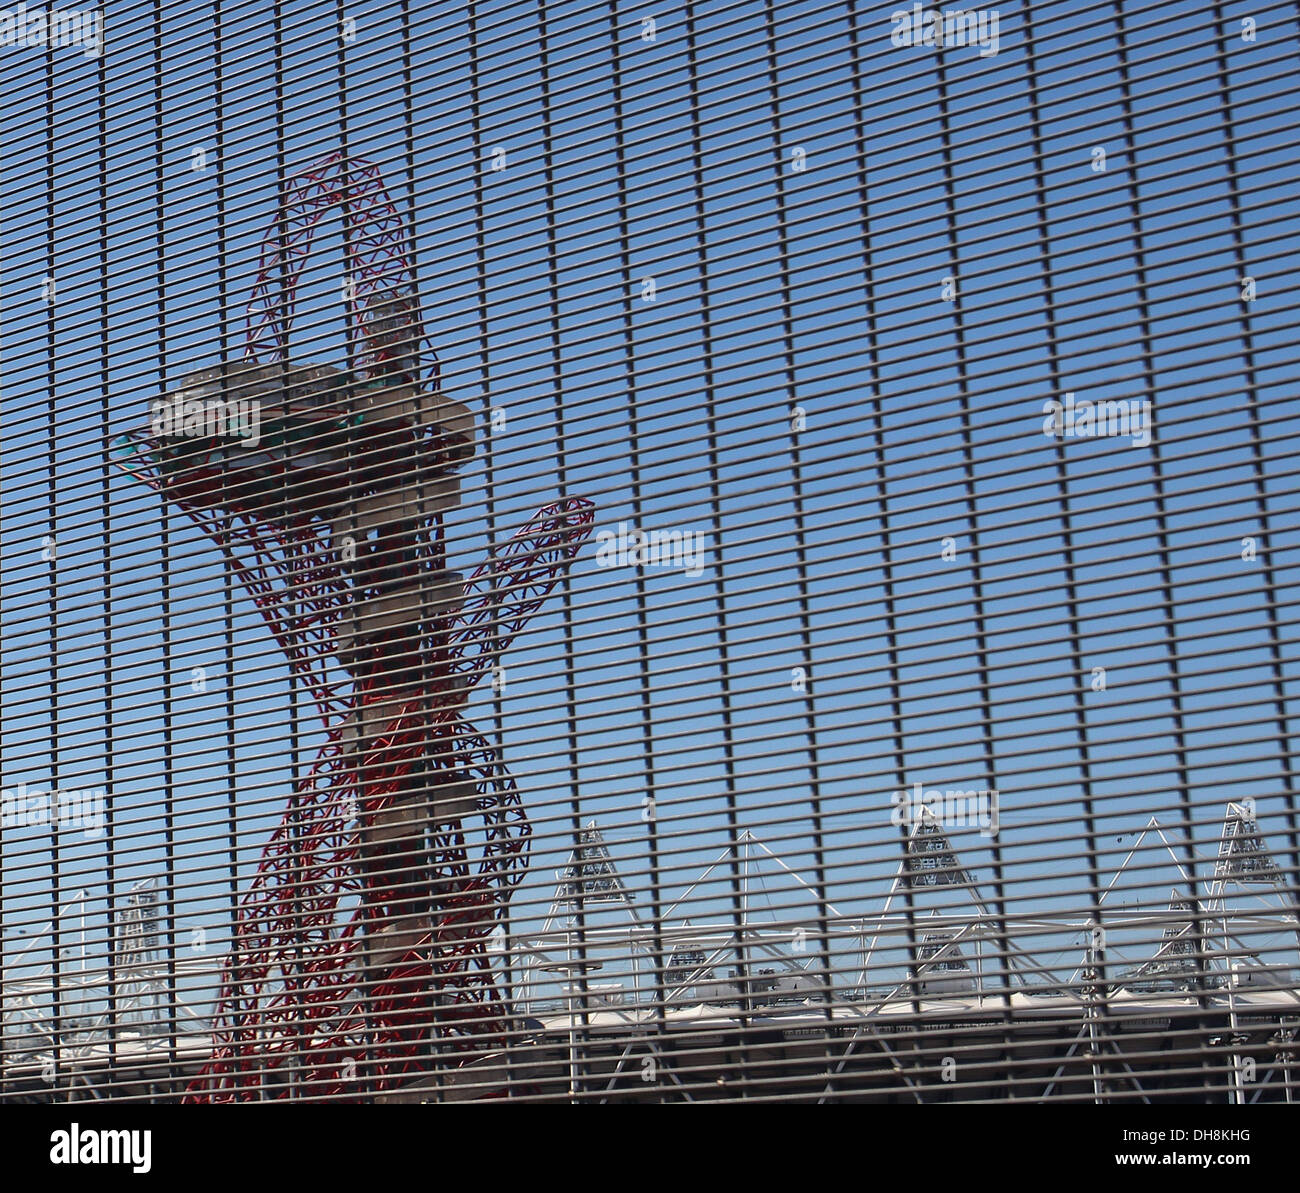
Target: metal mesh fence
(600, 552)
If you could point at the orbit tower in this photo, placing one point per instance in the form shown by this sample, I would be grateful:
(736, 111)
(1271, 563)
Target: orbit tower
(359, 950)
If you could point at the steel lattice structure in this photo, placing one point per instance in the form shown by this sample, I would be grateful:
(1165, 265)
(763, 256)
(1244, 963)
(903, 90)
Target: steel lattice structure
(360, 943)
(379, 284)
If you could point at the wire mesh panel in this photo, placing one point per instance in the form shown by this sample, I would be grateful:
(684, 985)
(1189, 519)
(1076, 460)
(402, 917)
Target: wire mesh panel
(589, 552)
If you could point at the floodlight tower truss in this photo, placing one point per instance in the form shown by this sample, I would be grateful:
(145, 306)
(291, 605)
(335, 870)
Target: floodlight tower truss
(347, 970)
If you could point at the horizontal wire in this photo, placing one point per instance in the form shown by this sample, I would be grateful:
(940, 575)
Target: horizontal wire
(578, 204)
(573, 1055)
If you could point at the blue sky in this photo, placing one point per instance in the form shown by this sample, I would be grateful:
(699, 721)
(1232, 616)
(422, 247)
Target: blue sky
(923, 421)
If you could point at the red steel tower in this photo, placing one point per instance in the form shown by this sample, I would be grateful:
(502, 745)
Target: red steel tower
(359, 949)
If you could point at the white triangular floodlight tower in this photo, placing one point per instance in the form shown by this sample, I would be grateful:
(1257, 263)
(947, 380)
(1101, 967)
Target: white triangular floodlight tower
(141, 987)
(689, 965)
(939, 953)
(696, 956)
(929, 863)
(1246, 865)
(1152, 826)
(586, 886)
(929, 859)
(942, 965)
(1175, 957)
(685, 961)
(1244, 859)
(1177, 947)
(589, 876)
(749, 855)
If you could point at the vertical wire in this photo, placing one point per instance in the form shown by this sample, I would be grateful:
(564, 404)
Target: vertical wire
(1149, 387)
(872, 338)
(1227, 125)
(484, 345)
(226, 313)
(364, 575)
(169, 728)
(52, 579)
(789, 366)
(976, 569)
(713, 456)
(106, 548)
(410, 255)
(630, 377)
(566, 582)
(293, 981)
(1093, 982)
(4, 867)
